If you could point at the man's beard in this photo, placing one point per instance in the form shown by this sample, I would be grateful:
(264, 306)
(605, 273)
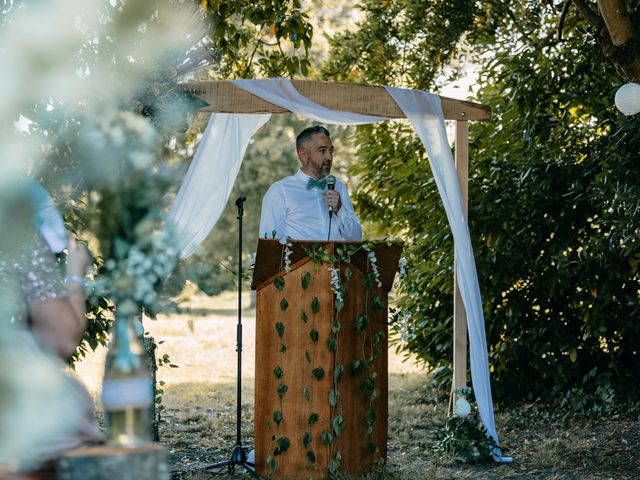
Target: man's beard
(325, 170)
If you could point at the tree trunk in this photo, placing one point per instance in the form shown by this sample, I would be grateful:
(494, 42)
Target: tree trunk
(108, 463)
(619, 41)
(616, 18)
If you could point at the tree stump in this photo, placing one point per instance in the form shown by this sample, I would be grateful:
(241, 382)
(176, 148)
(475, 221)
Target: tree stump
(39, 475)
(148, 462)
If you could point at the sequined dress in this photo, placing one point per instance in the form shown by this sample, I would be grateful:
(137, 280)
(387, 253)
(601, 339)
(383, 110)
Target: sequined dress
(29, 276)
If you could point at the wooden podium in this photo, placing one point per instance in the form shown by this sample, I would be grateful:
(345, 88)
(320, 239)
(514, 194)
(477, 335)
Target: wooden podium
(321, 367)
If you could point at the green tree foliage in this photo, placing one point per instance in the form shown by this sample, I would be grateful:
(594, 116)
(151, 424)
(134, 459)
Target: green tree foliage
(558, 209)
(553, 189)
(249, 38)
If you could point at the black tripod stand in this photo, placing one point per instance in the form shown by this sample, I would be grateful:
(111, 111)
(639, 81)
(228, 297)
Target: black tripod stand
(239, 453)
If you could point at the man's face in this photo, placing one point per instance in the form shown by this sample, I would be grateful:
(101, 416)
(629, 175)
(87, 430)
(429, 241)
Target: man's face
(316, 156)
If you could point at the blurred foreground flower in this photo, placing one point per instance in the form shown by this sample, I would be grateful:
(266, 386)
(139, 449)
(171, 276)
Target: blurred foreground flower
(75, 76)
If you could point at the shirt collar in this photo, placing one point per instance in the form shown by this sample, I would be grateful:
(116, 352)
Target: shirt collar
(303, 176)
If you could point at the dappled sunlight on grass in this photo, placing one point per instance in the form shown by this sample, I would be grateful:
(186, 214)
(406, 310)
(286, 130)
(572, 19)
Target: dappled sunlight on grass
(199, 420)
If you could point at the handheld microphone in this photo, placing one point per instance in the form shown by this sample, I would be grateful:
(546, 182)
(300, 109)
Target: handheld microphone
(331, 185)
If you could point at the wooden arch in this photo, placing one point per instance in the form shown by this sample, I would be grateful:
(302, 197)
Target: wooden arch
(224, 97)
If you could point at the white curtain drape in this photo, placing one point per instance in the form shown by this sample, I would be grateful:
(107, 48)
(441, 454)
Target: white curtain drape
(281, 92)
(202, 198)
(210, 178)
(424, 111)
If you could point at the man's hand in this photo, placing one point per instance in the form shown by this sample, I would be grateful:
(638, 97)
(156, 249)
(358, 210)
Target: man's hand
(333, 200)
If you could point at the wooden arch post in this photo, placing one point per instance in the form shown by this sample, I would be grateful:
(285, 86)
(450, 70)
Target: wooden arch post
(459, 313)
(224, 97)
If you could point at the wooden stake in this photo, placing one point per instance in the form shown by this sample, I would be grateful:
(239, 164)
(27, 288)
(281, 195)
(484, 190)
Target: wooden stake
(148, 462)
(459, 314)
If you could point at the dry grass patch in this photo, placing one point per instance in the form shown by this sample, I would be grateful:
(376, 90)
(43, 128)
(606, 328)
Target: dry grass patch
(199, 425)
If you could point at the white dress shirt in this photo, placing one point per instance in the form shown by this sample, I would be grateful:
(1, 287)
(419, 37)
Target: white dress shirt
(290, 210)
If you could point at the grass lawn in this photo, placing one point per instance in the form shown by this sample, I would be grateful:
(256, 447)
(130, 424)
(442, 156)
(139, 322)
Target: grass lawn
(199, 424)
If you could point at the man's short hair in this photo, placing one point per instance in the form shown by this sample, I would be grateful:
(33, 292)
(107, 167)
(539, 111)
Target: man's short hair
(309, 132)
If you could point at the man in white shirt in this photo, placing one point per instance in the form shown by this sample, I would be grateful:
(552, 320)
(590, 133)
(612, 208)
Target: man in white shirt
(298, 207)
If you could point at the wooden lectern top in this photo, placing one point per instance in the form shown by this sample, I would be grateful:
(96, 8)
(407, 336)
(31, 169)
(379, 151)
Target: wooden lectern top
(269, 258)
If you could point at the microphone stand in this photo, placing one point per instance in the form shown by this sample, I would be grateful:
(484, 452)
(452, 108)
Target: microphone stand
(239, 453)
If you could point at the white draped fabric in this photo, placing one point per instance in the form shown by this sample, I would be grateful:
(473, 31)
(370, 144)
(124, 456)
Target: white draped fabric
(202, 198)
(210, 178)
(424, 111)
(281, 92)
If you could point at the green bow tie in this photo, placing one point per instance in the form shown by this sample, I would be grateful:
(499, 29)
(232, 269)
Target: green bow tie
(320, 184)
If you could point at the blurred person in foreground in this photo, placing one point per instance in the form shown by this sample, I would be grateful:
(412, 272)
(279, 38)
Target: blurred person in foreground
(43, 321)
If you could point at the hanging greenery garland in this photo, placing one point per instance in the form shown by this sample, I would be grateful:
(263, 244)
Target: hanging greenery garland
(370, 340)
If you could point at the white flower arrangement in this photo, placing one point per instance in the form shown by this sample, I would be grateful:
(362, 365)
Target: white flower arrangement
(336, 285)
(137, 276)
(287, 252)
(403, 325)
(402, 267)
(374, 267)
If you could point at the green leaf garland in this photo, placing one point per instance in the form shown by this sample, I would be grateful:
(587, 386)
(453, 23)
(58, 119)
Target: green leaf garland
(283, 444)
(315, 305)
(337, 423)
(314, 335)
(305, 280)
(277, 417)
(318, 373)
(282, 389)
(362, 323)
(306, 439)
(284, 304)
